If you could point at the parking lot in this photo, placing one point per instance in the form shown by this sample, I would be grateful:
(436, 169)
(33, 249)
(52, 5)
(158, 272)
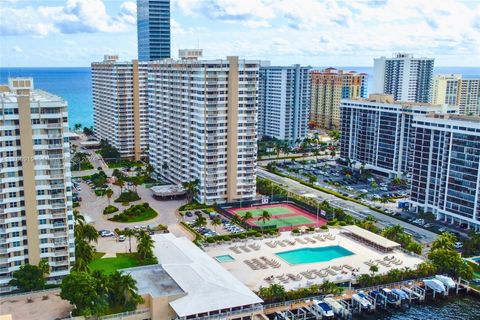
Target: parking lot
(354, 183)
(209, 230)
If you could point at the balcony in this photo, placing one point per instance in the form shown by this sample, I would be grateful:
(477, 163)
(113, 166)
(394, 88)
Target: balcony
(59, 234)
(60, 253)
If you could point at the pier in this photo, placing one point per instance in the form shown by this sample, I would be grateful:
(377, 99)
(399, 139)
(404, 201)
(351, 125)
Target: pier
(369, 300)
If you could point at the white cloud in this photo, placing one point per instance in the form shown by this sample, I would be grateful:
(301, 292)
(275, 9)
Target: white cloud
(76, 16)
(17, 49)
(331, 27)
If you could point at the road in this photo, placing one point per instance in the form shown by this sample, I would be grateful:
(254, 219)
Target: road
(354, 209)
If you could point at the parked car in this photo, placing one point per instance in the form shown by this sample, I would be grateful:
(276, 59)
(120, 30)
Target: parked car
(121, 238)
(458, 245)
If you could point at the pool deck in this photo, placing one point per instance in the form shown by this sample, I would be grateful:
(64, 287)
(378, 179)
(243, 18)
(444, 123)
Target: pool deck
(256, 278)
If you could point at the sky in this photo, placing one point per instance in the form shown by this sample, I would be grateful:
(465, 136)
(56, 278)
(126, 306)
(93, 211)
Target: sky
(60, 33)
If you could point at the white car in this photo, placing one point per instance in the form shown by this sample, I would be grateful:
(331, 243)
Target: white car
(458, 245)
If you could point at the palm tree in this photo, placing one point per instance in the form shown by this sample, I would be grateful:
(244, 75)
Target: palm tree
(216, 222)
(201, 221)
(266, 216)
(129, 233)
(109, 194)
(248, 215)
(83, 255)
(393, 232)
(123, 289)
(44, 266)
(145, 245)
(191, 187)
(120, 183)
(445, 241)
(77, 126)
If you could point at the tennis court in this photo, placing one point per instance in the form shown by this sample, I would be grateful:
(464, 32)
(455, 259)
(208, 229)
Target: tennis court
(285, 216)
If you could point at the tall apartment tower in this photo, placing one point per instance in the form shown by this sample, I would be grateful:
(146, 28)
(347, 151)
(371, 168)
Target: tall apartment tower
(36, 215)
(153, 29)
(284, 102)
(328, 88)
(452, 89)
(120, 105)
(203, 120)
(378, 132)
(446, 177)
(407, 78)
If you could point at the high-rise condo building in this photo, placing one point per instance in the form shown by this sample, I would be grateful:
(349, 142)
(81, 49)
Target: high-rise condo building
(120, 105)
(36, 215)
(407, 78)
(153, 29)
(378, 132)
(203, 120)
(452, 89)
(446, 175)
(328, 88)
(284, 102)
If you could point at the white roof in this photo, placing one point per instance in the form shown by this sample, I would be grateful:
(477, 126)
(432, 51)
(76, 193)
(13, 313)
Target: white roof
(208, 286)
(372, 237)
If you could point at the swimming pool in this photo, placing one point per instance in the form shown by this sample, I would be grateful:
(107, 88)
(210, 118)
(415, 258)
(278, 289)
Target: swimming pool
(225, 258)
(310, 255)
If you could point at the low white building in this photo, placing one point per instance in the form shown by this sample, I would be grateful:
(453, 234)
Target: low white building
(189, 284)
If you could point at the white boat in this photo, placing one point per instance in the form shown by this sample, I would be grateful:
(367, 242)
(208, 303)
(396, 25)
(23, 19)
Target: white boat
(324, 309)
(435, 284)
(335, 305)
(362, 301)
(447, 281)
(411, 292)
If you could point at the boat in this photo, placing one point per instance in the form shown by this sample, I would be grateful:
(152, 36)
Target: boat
(447, 281)
(399, 292)
(325, 309)
(362, 300)
(337, 308)
(378, 297)
(391, 297)
(435, 285)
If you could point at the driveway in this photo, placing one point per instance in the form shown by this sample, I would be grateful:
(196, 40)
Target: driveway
(91, 207)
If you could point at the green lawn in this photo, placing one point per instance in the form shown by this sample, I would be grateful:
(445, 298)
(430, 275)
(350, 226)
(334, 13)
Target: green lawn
(146, 214)
(110, 265)
(258, 212)
(285, 222)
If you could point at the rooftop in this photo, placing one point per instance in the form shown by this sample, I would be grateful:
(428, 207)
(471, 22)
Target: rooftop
(168, 190)
(456, 117)
(206, 285)
(154, 280)
(371, 237)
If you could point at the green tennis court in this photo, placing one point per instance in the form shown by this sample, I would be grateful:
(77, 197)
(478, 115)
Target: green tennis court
(285, 222)
(258, 212)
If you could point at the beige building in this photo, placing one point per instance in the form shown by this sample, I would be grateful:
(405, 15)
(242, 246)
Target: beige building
(203, 124)
(328, 87)
(36, 216)
(188, 284)
(453, 90)
(120, 105)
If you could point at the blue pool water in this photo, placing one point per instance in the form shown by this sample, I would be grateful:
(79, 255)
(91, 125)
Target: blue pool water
(310, 255)
(225, 258)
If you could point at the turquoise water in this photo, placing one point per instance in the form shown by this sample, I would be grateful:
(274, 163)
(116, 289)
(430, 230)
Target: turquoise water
(225, 258)
(311, 255)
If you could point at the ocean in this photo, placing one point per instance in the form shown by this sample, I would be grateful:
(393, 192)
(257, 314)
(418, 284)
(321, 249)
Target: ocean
(75, 86)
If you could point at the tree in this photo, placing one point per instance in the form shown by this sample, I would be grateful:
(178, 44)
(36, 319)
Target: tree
(80, 289)
(414, 247)
(248, 215)
(28, 278)
(335, 135)
(333, 153)
(87, 131)
(145, 245)
(123, 291)
(120, 183)
(450, 262)
(201, 221)
(192, 188)
(129, 233)
(266, 216)
(216, 222)
(444, 241)
(373, 269)
(83, 255)
(77, 126)
(109, 194)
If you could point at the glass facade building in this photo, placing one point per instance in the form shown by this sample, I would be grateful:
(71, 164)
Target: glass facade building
(378, 133)
(446, 174)
(153, 29)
